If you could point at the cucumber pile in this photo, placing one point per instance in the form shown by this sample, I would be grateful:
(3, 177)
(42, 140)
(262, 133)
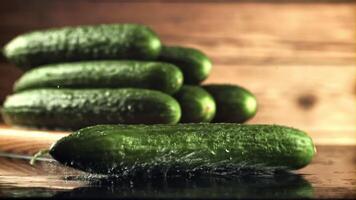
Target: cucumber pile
(91, 77)
(115, 73)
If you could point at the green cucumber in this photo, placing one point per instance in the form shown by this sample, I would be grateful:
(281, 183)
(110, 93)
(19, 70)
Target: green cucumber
(77, 108)
(233, 103)
(193, 148)
(197, 104)
(96, 42)
(104, 74)
(194, 64)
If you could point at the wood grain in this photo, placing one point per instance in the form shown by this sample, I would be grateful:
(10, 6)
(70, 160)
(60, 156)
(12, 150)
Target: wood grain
(19, 173)
(298, 58)
(26, 141)
(331, 175)
(234, 33)
(280, 92)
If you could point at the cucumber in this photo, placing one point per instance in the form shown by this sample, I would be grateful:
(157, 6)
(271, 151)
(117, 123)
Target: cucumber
(96, 42)
(197, 104)
(104, 74)
(194, 148)
(77, 108)
(194, 64)
(233, 103)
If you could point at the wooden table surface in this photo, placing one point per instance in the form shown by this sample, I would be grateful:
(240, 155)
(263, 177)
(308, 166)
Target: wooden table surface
(297, 57)
(332, 174)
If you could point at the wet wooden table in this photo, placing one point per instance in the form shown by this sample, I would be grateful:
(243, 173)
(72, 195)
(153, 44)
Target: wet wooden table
(332, 174)
(302, 51)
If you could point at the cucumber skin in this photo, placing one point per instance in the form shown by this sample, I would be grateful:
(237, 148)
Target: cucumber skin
(197, 105)
(195, 65)
(91, 42)
(71, 109)
(104, 74)
(234, 104)
(213, 148)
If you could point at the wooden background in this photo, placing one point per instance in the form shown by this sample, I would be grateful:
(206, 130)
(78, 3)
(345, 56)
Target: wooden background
(298, 57)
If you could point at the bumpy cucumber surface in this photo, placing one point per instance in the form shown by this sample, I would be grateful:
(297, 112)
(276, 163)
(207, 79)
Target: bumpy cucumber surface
(194, 64)
(197, 104)
(195, 148)
(78, 108)
(96, 42)
(233, 103)
(104, 74)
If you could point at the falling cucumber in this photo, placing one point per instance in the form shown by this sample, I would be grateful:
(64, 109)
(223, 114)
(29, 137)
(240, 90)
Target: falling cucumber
(193, 148)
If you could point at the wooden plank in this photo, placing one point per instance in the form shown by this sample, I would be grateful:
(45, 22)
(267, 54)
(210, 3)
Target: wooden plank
(231, 33)
(306, 97)
(19, 173)
(26, 141)
(332, 167)
(330, 175)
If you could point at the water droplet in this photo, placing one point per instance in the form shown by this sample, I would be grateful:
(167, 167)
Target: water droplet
(129, 107)
(107, 93)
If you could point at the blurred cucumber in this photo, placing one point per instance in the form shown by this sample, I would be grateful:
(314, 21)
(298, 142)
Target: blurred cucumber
(233, 103)
(194, 64)
(95, 42)
(197, 104)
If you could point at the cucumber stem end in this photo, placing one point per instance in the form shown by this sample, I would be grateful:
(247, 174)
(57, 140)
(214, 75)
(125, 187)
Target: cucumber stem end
(37, 155)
